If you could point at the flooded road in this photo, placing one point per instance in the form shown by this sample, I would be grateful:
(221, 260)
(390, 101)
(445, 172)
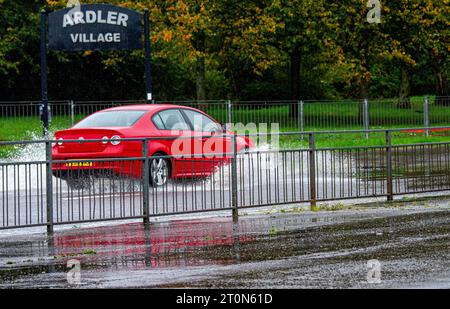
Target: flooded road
(286, 248)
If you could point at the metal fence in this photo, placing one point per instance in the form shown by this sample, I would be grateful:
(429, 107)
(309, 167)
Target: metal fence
(290, 115)
(121, 188)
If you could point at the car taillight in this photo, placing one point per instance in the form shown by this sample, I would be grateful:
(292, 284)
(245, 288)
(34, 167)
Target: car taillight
(115, 140)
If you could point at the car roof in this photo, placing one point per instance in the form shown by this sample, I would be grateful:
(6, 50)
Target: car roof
(145, 107)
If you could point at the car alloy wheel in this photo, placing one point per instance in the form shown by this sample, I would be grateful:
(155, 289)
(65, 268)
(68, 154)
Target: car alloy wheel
(159, 172)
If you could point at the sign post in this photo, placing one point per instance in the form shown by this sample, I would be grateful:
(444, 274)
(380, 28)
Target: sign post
(44, 109)
(148, 68)
(99, 27)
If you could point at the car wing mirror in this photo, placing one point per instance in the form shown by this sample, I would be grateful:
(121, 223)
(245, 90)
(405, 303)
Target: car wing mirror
(226, 127)
(215, 132)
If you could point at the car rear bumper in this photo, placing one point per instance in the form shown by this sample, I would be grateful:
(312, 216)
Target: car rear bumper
(62, 165)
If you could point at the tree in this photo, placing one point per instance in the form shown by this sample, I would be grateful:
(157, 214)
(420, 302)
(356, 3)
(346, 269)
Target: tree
(361, 43)
(19, 48)
(418, 29)
(255, 49)
(302, 32)
(185, 25)
(243, 40)
(435, 36)
(400, 28)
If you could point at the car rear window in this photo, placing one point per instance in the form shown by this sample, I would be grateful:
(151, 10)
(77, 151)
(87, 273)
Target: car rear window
(111, 119)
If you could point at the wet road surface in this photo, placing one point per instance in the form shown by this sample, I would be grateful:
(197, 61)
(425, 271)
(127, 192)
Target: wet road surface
(287, 248)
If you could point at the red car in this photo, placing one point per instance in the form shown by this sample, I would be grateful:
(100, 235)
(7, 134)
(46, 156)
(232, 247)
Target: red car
(190, 143)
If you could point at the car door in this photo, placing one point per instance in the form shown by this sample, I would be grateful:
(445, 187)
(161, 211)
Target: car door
(214, 144)
(172, 124)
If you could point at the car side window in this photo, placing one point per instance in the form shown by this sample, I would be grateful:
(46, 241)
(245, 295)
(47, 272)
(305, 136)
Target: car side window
(172, 119)
(159, 124)
(201, 123)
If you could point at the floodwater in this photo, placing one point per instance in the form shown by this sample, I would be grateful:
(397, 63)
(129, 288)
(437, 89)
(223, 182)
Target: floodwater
(290, 248)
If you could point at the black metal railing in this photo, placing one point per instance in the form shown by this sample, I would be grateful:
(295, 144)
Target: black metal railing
(46, 192)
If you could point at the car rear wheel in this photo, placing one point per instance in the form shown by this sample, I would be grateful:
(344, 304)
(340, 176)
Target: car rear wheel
(159, 171)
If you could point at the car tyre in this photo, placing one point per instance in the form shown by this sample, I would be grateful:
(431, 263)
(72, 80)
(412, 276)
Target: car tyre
(159, 170)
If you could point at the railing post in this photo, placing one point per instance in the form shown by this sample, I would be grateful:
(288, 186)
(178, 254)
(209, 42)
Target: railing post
(301, 117)
(229, 112)
(145, 182)
(49, 186)
(72, 113)
(426, 116)
(234, 181)
(366, 117)
(312, 172)
(389, 182)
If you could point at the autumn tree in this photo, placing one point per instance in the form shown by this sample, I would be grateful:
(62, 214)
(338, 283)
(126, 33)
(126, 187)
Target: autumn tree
(257, 49)
(244, 41)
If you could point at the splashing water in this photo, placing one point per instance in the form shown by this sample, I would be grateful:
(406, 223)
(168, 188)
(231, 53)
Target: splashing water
(31, 152)
(25, 169)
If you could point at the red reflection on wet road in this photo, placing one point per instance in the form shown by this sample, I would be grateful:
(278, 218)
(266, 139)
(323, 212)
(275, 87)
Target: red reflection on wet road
(161, 245)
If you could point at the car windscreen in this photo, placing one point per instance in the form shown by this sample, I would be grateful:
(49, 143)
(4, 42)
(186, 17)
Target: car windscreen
(111, 119)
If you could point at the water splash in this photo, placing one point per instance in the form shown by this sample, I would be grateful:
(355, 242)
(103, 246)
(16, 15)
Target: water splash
(25, 168)
(30, 152)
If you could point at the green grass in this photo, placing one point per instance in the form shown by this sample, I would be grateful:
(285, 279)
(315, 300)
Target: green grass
(338, 115)
(26, 128)
(359, 139)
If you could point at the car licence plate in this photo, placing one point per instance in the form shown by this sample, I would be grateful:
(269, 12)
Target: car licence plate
(79, 164)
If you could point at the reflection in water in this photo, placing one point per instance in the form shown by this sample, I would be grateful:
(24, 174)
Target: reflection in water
(169, 245)
(51, 251)
(148, 246)
(236, 242)
(140, 246)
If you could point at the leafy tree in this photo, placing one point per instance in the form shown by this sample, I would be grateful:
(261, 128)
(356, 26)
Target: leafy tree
(435, 38)
(19, 47)
(418, 29)
(255, 49)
